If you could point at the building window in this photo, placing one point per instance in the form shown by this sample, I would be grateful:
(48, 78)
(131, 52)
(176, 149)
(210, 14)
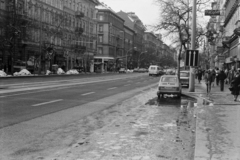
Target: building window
(100, 39)
(100, 28)
(100, 50)
(101, 17)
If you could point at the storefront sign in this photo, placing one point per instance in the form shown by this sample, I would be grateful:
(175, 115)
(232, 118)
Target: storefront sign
(212, 12)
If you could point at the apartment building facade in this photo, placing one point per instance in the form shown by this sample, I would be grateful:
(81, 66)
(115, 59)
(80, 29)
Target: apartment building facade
(51, 33)
(110, 39)
(225, 42)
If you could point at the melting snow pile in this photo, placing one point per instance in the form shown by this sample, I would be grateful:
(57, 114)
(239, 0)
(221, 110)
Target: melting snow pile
(60, 71)
(23, 72)
(48, 72)
(72, 71)
(3, 74)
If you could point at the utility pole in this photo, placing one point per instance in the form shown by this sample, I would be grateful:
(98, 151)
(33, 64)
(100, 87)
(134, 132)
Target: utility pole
(13, 52)
(193, 41)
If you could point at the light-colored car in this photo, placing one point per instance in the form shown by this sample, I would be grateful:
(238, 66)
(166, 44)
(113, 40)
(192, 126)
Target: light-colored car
(169, 84)
(184, 78)
(122, 70)
(154, 70)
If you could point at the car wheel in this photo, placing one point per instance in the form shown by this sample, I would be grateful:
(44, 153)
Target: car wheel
(149, 74)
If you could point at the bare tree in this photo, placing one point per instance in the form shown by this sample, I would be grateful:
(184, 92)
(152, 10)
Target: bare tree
(175, 20)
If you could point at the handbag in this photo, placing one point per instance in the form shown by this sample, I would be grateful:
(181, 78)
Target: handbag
(231, 88)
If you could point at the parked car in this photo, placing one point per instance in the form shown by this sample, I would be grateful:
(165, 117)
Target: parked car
(184, 78)
(154, 70)
(135, 69)
(169, 84)
(122, 70)
(142, 70)
(171, 71)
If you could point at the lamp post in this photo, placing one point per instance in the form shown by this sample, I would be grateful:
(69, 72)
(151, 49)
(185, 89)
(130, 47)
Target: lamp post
(134, 48)
(193, 40)
(139, 57)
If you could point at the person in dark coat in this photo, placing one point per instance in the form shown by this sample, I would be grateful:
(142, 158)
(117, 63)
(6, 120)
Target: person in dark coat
(199, 75)
(221, 77)
(236, 84)
(217, 76)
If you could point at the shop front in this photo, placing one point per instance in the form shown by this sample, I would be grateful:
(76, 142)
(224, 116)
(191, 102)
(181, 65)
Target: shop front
(104, 64)
(88, 62)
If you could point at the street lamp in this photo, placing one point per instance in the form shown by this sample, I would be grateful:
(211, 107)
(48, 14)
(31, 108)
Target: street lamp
(134, 48)
(139, 57)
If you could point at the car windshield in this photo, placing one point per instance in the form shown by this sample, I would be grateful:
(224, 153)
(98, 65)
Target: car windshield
(184, 74)
(153, 68)
(169, 79)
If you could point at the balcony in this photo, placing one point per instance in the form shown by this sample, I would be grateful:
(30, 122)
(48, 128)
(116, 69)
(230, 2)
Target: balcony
(79, 30)
(79, 14)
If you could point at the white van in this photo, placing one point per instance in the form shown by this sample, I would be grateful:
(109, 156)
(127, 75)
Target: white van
(154, 70)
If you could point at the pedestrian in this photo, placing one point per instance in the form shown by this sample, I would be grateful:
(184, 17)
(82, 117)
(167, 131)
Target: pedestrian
(199, 75)
(213, 76)
(221, 77)
(231, 74)
(236, 84)
(196, 73)
(226, 72)
(217, 76)
(208, 80)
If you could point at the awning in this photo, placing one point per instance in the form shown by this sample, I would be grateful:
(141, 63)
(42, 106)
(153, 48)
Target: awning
(104, 58)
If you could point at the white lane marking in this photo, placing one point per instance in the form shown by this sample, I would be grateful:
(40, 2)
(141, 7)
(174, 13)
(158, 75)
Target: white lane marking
(35, 92)
(60, 85)
(111, 88)
(2, 96)
(138, 82)
(129, 81)
(127, 85)
(87, 93)
(40, 104)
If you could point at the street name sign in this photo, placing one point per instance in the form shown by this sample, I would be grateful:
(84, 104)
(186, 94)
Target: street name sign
(192, 58)
(212, 12)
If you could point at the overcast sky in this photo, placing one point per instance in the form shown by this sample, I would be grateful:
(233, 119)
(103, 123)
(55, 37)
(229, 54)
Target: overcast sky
(146, 10)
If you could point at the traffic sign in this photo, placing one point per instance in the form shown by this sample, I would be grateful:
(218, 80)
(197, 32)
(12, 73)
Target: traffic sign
(212, 12)
(192, 58)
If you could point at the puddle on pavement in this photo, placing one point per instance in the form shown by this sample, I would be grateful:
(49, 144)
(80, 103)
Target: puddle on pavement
(182, 110)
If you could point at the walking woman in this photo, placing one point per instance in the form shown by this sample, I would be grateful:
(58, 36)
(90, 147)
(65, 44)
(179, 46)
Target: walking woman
(213, 72)
(236, 84)
(208, 80)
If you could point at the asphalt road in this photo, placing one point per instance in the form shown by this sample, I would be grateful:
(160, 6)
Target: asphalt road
(26, 99)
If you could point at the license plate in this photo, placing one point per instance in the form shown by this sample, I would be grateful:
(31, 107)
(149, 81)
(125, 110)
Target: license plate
(168, 87)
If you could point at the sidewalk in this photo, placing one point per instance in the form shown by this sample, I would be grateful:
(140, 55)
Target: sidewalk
(218, 124)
